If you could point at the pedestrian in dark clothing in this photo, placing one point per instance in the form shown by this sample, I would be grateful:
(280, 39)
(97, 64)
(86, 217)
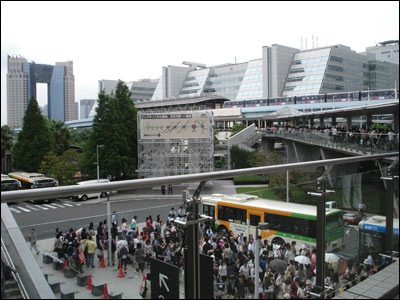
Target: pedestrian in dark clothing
(169, 189)
(163, 190)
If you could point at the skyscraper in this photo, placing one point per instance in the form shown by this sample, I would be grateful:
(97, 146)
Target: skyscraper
(22, 77)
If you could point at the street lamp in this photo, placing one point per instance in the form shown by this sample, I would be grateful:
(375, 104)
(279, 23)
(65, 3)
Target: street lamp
(98, 167)
(262, 226)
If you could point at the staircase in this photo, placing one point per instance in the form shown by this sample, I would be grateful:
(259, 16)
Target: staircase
(11, 290)
(245, 138)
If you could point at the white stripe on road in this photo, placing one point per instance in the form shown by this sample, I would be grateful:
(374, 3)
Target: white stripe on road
(23, 209)
(78, 204)
(15, 210)
(66, 204)
(58, 205)
(42, 207)
(32, 207)
(48, 205)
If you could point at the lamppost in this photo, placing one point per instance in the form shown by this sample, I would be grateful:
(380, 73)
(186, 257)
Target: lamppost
(98, 167)
(262, 226)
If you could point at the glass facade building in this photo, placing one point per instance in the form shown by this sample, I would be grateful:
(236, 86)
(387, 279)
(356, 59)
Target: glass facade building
(22, 77)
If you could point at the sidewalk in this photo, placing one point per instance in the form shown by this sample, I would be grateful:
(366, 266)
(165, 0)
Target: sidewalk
(129, 285)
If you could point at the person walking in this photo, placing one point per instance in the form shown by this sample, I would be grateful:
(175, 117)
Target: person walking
(123, 254)
(139, 258)
(169, 189)
(32, 238)
(114, 218)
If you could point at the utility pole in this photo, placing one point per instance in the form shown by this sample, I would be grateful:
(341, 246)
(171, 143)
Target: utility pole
(192, 253)
(320, 266)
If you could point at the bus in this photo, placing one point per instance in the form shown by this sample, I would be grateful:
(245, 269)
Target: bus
(371, 237)
(288, 222)
(34, 181)
(9, 184)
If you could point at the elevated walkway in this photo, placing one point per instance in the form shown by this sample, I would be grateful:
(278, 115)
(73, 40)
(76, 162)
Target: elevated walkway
(347, 143)
(245, 138)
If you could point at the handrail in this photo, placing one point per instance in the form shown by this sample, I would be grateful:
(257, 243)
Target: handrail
(14, 272)
(18, 196)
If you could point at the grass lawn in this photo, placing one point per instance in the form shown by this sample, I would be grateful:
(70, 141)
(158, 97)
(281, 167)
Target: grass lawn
(262, 192)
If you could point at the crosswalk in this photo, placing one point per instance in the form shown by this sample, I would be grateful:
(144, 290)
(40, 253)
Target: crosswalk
(40, 207)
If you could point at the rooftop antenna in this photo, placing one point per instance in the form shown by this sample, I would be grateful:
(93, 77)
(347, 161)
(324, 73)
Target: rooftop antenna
(306, 44)
(317, 41)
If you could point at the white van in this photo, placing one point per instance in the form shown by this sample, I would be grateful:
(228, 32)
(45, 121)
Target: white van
(84, 197)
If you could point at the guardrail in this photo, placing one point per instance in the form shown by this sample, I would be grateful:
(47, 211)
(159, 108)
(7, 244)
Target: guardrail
(66, 191)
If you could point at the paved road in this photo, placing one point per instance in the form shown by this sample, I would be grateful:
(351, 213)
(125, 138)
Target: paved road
(64, 213)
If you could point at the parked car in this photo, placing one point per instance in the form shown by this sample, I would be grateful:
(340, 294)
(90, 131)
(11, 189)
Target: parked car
(84, 197)
(351, 219)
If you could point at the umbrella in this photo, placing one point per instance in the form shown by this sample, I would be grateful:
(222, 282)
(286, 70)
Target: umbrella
(331, 258)
(301, 259)
(278, 265)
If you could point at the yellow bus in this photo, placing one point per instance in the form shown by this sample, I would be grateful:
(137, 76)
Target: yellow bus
(34, 181)
(288, 222)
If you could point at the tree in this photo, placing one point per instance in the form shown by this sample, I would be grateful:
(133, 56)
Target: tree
(34, 141)
(62, 167)
(6, 143)
(239, 158)
(115, 127)
(61, 136)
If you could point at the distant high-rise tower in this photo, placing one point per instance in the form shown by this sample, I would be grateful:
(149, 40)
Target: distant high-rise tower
(22, 77)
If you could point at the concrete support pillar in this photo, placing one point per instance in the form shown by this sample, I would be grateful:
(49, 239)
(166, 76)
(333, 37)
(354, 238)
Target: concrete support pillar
(369, 122)
(395, 125)
(321, 122)
(311, 122)
(268, 145)
(349, 125)
(333, 121)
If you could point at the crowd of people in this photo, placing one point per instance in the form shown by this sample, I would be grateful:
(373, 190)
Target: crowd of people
(376, 138)
(280, 276)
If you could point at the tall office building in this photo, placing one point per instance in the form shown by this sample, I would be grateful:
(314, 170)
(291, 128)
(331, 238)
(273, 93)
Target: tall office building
(387, 51)
(22, 77)
(85, 107)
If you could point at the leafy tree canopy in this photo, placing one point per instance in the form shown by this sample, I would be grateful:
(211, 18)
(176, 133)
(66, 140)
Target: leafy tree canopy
(115, 127)
(34, 141)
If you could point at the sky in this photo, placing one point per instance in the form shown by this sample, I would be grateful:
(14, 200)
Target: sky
(134, 40)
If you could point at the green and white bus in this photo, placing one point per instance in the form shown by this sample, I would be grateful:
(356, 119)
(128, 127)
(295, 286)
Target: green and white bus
(34, 181)
(288, 222)
(9, 184)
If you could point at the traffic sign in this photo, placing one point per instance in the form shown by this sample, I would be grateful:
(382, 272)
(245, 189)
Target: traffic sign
(164, 280)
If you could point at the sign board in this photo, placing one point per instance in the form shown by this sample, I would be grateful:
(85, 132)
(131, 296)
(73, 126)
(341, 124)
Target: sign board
(164, 280)
(192, 125)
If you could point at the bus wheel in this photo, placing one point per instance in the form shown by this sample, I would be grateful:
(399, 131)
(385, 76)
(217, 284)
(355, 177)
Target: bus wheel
(103, 195)
(278, 241)
(222, 229)
(84, 198)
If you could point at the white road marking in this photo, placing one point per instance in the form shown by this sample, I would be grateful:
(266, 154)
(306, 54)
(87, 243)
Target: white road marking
(23, 209)
(48, 205)
(32, 207)
(58, 205)
(42, 207)
(66, 204)
(15, 210)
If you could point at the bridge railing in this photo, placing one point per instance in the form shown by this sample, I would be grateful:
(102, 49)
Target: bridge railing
(348, 141)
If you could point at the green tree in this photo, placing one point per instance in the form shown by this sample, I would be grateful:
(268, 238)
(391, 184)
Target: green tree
(237, 127)
(239, 158)
(79, 137)
(6, 143)
(34, 141)
(62, 167)
(115, 127)
(61, 136)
